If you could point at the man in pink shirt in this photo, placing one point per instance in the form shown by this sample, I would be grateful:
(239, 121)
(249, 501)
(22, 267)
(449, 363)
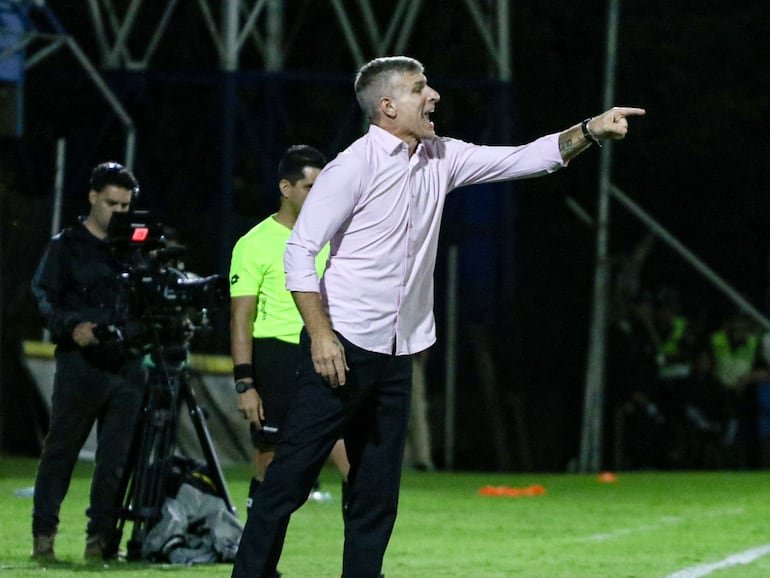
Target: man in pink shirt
(379, 204)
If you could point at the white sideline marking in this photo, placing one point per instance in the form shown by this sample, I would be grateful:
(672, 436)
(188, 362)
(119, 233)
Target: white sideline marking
(739, 559)
(659, 524)
(606, 536)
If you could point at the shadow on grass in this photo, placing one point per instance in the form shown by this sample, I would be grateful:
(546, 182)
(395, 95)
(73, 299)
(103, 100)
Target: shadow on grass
(85, 567)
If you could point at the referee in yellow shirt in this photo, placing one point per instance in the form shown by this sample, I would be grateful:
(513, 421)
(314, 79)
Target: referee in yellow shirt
(264, 322)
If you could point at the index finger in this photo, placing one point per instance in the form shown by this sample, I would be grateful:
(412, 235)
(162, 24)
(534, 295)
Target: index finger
(629, 111)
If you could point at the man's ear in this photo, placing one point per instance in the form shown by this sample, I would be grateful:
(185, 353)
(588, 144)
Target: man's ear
(284, 186)
(388, 107)
(92, 195)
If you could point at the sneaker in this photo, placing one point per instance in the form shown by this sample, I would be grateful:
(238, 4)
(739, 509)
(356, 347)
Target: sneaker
(320, 497)
(42, 547)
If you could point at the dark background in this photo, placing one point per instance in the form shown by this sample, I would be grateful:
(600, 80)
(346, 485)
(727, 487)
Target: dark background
(698, 162)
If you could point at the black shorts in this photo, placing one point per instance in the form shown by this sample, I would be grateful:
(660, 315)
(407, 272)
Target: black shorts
(275, 371)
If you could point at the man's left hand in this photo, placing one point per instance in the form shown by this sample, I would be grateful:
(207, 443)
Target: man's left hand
(613, 124)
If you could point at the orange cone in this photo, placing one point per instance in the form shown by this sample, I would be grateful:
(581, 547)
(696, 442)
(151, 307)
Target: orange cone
(607, 478)
(532, 490)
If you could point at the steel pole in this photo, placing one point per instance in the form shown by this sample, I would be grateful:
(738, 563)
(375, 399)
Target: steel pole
(593, 402)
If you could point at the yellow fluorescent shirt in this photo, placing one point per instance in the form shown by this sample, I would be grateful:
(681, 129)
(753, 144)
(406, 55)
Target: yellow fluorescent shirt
(256, 269)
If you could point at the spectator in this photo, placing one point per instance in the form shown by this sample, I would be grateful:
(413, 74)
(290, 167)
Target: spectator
(740, 363)
(671, 331)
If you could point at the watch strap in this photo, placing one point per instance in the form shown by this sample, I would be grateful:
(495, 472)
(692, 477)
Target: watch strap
(587, 134)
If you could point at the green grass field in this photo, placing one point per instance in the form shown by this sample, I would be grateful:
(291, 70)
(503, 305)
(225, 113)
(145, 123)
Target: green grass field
(645, 525)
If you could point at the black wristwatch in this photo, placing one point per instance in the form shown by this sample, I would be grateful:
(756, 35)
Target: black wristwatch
(244, 386)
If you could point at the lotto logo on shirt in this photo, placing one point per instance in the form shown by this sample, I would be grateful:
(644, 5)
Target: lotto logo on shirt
(234, 279)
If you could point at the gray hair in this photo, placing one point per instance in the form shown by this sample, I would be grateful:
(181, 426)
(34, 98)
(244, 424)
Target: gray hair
(374, 80)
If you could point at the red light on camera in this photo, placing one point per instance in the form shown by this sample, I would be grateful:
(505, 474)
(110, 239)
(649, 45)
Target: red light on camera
(140, 234)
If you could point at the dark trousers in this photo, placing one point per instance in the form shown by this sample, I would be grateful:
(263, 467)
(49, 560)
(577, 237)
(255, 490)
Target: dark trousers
(371, 412)
(84, 394)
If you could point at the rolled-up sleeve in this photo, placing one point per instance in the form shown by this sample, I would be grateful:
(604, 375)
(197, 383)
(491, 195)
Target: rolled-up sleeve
(328, 205)
(299, 262)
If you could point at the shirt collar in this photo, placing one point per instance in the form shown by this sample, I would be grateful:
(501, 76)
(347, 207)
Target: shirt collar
(394, 145)
(388, 141)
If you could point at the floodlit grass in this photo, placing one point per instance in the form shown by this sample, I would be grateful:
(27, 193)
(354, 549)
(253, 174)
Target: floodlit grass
(646, 525)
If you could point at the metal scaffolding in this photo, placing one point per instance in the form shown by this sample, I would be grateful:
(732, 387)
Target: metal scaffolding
(237, 25)
(132, 35)
(40, 40)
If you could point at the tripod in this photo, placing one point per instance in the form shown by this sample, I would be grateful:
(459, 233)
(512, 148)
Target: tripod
(148, 472)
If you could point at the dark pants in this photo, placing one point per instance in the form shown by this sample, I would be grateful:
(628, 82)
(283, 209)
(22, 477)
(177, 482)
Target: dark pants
(275, 369)
(84, 394)
(371, 412)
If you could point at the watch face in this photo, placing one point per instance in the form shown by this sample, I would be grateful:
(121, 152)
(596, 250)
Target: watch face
(242, 386)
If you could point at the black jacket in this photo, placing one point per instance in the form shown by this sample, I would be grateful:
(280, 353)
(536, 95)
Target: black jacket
(78, 280)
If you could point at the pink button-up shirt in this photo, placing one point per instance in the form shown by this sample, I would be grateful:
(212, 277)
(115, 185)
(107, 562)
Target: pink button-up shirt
(381, 212)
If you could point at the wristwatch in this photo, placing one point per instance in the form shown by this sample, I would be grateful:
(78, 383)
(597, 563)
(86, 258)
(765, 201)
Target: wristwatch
(244, 386)
(587, 134)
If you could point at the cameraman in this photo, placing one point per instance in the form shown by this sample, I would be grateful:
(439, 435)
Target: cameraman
(77, 289)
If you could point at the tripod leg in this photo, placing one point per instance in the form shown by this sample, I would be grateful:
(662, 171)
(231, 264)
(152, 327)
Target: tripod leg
(145, 478)
(125, 491)
(204, 438)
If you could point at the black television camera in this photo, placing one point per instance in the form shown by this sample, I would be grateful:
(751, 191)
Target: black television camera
(168, 304)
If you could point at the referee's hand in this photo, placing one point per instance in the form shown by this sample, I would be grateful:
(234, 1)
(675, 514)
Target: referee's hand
(250, 407)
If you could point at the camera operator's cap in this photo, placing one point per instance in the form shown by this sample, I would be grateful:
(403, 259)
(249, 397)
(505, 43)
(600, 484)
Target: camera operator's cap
(112, 173)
